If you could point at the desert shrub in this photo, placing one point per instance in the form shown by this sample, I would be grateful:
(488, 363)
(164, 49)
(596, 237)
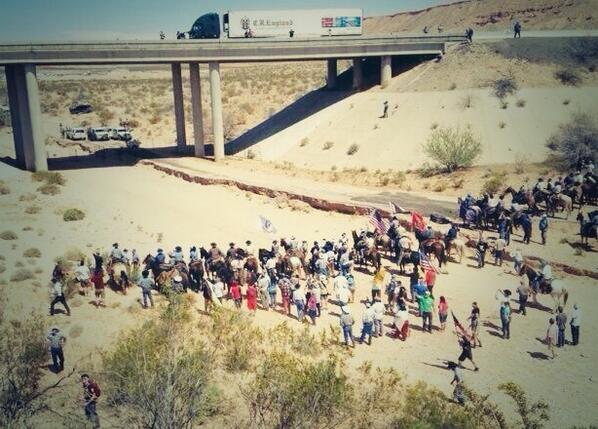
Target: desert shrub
(353, 149)
(27, 197)
(48, 177)
(384, 180)
(247, 108)
(49, 189)
(8, 235)
(162, 374)
(33, 209)
(328, 145)
(494, 183)
(458, 183)
(21, 275)
(520, 103)
(566, 102)
(23, 353)
(304, 142)
(504, 86)
(32, 253)
(4, 189)
(427, 170)
(466, 102)
(434, 125)
(439, 187)
(504, 104)
(398, 178)
(502, 124)
(575, 140)
(568, 77)
(452, 86)
(532, 415)
(453, 148)
(73, 214)
(288, 392)
(250, 154)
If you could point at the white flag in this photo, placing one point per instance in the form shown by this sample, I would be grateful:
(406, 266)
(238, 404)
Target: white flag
(267, 225)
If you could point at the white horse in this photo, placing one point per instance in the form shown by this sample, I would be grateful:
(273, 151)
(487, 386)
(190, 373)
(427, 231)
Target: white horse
(557, 291)
(459, 247)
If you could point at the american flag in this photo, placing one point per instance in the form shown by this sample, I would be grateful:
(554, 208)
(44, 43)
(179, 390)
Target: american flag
(379, 223)
(458, 326)
(426, 263)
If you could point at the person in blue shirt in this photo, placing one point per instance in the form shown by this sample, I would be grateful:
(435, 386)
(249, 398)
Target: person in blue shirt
(505, 319)
(160, 256)
(193, 255)
(543, 227)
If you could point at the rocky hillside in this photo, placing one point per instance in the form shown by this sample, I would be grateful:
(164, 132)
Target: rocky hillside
(492, 15)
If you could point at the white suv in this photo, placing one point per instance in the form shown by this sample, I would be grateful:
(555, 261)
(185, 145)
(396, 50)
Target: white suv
(120, 133)
(76, 134)
(99, 134)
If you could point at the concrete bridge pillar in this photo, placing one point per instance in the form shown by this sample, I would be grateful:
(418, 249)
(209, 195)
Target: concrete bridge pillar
(179, 111)
(331, 76)
(197, 109)
(357, 73)
(216, 98)
(25, 113)
(385, 71)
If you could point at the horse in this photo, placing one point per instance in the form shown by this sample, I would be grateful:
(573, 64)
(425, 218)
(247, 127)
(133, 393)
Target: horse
(151, 264)
(409, 257)
(435, 247)
(554, 288)
(458, 246)
(115, 272)
(384, 242)
(556, 201)
(522, 197)
(196, 275)
(588, 230)
(362, 254)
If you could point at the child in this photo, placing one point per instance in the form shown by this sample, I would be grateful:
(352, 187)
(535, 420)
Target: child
(442, 312)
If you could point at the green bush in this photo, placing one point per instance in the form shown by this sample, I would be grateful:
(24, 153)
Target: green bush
(49, 189)
(494, 183)
(453, 148)
(8, 235)
(575, 140)
(568, 77)
(71, 215)
(50, 178)
(32, 253)
(352, 149)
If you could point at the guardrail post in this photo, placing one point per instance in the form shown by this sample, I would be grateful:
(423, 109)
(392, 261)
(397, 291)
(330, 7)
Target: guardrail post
(25, 113)
(179, 111)
(217, 125)
(197, 109)
(385, 71)
(357, 73)
(331, 77)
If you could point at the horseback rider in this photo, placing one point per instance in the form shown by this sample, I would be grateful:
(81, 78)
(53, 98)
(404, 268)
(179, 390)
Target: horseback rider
(544, 277)
(193, 255)
(177, 255)
(249, 249)
(214, 254)
(232, 251)
(451, 235)
(116, 255)
(160, 257)
(275, 249)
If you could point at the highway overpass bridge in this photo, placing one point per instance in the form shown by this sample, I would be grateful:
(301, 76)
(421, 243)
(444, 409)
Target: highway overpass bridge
(20, 61)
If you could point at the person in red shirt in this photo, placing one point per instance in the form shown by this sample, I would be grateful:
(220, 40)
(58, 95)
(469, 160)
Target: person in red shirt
(430, 280)
(97, 279)
(91, 393)
(235, 292)
(251, 297)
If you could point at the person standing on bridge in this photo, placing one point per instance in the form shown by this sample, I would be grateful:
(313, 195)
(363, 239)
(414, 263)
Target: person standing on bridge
(517, 30)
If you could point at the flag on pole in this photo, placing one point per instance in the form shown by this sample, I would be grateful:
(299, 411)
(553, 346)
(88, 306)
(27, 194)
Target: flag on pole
(396, 209)
(426, 263)
(375, 219)
(458, 326)
(266, 225)
(417, 221)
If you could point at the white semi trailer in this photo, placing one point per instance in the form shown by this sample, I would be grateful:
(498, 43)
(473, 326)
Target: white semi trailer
(279, 23)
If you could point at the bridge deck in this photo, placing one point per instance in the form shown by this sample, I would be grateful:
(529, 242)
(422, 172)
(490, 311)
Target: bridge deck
(240, 50)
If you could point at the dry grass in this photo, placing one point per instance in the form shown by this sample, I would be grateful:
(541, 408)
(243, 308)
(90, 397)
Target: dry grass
(33, 209)
(32, 253)
(49, 189)
(27, 197)
(328, 145)
(49, 177)
(73, 214)
(8, 235)
(4, 189)
(21, 275)
(352, 149)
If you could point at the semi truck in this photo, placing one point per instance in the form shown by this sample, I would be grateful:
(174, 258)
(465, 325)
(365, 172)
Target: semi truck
(278, 23)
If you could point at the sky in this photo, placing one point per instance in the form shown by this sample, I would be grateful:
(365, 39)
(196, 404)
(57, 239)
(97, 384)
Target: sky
(51, 20)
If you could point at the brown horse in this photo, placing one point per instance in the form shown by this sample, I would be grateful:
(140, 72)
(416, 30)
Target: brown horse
(435, 247)
(196, 275)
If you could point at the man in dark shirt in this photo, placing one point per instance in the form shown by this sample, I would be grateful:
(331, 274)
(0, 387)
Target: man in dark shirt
(561, 323)
(91, 393)
(481, 248)
(466, 352)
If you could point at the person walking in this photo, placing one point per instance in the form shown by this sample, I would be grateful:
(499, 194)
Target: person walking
(543, 227)
(378, 308)
(551, 337)
(561, 323)
(56, 341)
(235, 292)
(466, 352)
(263, 283)
(272, 293)
(458, 393)
(58, 291)
(523, 291)
(430, 279)
(219, 290)
(481, 248)
(251, 296)
(91, 394)
(575, 323)
(474, 319)
(347, 322)
(367, 320)
(285, 294)
(443, 312)
(505, 320)
(499, 251)
(97, 278)
(402, 323)
(312, 307)
(146, 284)
(517, 260)
(299, 301)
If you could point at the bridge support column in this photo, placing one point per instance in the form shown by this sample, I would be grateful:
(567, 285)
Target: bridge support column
(25, 113)
(179, 111)
(331, 77)
(385, 71)
(197, 109)
(357, 73)
(216, 98)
